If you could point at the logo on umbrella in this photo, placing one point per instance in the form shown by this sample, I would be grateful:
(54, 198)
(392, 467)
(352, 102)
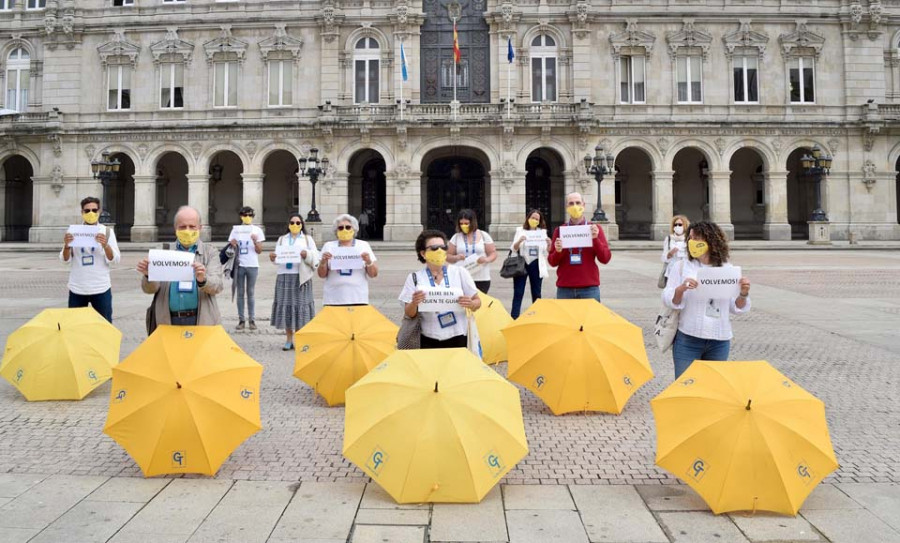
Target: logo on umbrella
(381, 366)
(688, 382)
(697, 470)
(539, 381)
(804, 472)
(120, 396)
(376, 461)
(19, 373)
(187, 334)
(304, 349)
(246, 393)
(92, 375)
(627, 380)
(494, 463)
(178, 459)
(786, 384)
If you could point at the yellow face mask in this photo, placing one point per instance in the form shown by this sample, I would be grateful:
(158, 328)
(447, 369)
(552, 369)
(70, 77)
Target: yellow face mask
(295, 228)
(91, 217)
(247, 220)
(575, 211)
(345, 235)
(533, 223)
(465, 228)
(187, 238)
(697, 248)
(436, 258)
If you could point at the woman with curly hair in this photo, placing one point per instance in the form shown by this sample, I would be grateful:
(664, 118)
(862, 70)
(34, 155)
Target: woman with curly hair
(704, 325)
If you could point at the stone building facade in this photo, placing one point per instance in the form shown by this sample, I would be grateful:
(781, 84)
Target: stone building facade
(707, 108)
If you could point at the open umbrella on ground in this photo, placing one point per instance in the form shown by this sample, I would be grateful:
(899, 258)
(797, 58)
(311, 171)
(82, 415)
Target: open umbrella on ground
(577, 355)
(339, 346)
(434, 426)
(184, 400)
(491, 318)
(61, 354)
(744, 436)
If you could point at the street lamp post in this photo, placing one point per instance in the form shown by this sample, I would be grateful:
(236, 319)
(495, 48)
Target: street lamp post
(598, 166)
(817, 166)
(105, 170)
(312, 168)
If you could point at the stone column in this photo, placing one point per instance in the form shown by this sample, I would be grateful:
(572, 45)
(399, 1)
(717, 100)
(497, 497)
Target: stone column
(507, 202)
(404, 204)
(2, 204)
(144, 228)
(608, 199)
(253, 195)
(776, 226)
(198, 198)
(662, 204)
(720, 201)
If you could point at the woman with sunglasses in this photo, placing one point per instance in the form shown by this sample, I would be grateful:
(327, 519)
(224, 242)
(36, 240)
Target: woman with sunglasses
(675, 246)
(294, 305)
(346, 286)
(440, 330)
(473, 249)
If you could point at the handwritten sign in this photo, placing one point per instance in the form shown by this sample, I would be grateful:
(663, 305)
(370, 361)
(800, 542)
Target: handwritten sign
(85, 235)
(241, 232)
(346, 258)
(440, 300)
(719, 283)
(573, 237)
(171, 265)
(288, 254)
(471, 263)
(535, 238)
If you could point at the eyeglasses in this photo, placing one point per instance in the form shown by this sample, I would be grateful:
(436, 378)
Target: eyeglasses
(246, 214)
(344, 227)
(296, 222)
(90, 210)
(678, 224)
(436, 248)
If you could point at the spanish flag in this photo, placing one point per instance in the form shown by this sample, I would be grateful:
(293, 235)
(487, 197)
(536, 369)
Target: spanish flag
(457, 55)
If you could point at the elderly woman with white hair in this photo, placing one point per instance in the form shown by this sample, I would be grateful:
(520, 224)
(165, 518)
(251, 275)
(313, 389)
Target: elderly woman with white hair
(346, 265)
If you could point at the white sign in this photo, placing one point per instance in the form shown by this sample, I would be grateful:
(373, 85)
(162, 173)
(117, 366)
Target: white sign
(346, 258)
(535, 238)
(171, 265)
(719, 283)
(241, 232)
(440, 300)
(573, 237)
(288, 254)
(85, 235)
(471, 263)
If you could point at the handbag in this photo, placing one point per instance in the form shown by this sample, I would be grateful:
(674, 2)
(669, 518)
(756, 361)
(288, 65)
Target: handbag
(150, 319)
(513, 266)
(410, 334)
(666, 327)
(661, 282)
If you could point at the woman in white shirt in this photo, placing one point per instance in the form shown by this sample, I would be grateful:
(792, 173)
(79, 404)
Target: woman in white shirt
(294, 305)
(473, 249)
(675, 246)
(535, 255)
(440, 330)
(704, 325)
(347, 285)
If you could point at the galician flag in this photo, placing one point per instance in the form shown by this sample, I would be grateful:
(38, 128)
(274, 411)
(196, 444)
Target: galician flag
(403, 63)
(510, 55)
(457, 55)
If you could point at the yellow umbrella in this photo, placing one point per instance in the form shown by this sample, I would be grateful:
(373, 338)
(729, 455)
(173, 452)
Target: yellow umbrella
(184, 400)
(577, 355)
(340, 345)
(434, 426)
(744, 436)
(491, 318)
(61, 354)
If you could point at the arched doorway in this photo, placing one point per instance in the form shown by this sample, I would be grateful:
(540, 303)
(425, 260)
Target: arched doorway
(18, 195)
(634, 193)
(226, 193)
(545, 185)
(368, 192)
(171, 192)
(455, 178)
(281, 195)
(801, 194)
(690, 184)
(748, 206)
(121, 197)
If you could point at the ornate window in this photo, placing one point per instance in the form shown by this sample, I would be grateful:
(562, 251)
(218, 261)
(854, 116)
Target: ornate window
(800, 50)
(366, 63)
(802, 77)
(225, 55)
(171, 55)
(225, 78)
(689, 82)
(544, 59)
(631, 49)
(118, 87)
(6, 5)
(689, 49)
(632, 79)
(745, 50)
(18, 74)
(746, 79)
(119, 58)
(35, 4)
(280, 52)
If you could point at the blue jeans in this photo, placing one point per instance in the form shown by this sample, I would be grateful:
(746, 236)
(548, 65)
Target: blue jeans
(687, 348)
(247, 275)
(534, 276)
(578, 293)
(102, 303)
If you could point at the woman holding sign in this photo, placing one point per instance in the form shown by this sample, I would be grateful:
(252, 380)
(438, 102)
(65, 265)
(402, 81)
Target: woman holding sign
(440, 293)
(296, 256)
(473, 249)
(706, 304)
(532, 243)
(346, 265)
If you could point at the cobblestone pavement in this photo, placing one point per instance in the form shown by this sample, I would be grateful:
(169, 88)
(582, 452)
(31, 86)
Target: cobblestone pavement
(826, 319)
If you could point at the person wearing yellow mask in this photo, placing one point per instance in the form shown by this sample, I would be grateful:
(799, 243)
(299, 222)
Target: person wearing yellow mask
(577, 274)
(186, 303)
(294, 305)
(473, 249)
(445, 329)
(347, 285)
(535, 255)
(248, 247)
(89, 282)
(704, 325)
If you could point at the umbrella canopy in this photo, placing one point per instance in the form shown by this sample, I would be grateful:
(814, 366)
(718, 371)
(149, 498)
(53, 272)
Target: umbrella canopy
(577, 355)
(744, 436)
(434, 426)
(491, 318)
(184, 400)
(339, 346)
(61, 354)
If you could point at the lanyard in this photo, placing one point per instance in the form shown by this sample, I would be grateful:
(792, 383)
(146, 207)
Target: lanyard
(474, 242)
(92, 250)
(446, 276)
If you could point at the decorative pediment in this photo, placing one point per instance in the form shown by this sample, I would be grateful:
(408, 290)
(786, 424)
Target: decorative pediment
(119, 50)
(689, 36)
(632, 37)
(172, 45)
(745, 37)
(281, 42)
(226, 46)
(802, 38)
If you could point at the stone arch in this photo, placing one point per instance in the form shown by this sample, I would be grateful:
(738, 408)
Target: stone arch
(652, 152)
(207, 156)
(712, 157)
(348, 151)
(14, 44)
(17, 173)
(455, 177)
(768, 155)
(152, 161)
(121, 148)
(796, 143)
(261, 155)
(551, 30)
(430, 144)
(366, 32)
(566, 154)
(25, 152)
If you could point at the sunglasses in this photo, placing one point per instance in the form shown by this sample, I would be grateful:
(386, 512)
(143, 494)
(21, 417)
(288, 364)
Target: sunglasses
(678, 224)
(436, 248)
(91, 210)
(345, 227)
(295, 222)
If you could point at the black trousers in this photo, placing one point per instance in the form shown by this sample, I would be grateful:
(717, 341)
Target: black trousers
(456, 341)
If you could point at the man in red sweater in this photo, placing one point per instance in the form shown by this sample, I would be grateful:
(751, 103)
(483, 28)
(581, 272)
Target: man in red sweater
(577, 276)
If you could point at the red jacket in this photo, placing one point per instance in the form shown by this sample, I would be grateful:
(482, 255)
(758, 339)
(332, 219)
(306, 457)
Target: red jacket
(587, 274)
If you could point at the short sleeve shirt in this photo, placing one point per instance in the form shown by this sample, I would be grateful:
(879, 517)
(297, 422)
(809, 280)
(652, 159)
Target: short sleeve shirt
(347, 287)
(465, 247)
(458, 278)
(247, 257)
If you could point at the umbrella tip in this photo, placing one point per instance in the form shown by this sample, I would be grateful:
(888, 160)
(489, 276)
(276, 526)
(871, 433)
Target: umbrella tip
(58, 327)
(581, 329)
(748, 404)
(177, 384)
(435, 386)
(353, 336)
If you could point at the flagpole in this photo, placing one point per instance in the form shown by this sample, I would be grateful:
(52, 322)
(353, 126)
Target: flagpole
(455, 70)
(508, 84)
(402, 66)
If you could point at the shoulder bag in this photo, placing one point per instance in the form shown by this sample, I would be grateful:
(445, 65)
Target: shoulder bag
(410, 334)
(513, 266)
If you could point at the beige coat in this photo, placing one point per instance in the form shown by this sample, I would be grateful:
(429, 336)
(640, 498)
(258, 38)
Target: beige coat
(207, 311)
